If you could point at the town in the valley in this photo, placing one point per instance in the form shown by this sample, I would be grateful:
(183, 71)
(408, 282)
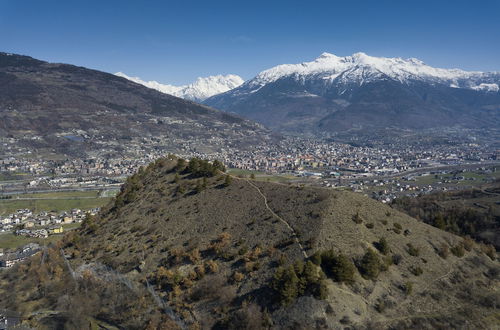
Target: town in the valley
(382, 171)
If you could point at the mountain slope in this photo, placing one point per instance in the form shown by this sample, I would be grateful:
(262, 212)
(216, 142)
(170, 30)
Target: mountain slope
(198, 91)
(334, 93)
(77, 110)
(215, 250)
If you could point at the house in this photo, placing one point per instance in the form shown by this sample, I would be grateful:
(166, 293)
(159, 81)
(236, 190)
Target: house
(10, 259)
(6, 221)
(29, 224)
(8, 320)
(56, 230)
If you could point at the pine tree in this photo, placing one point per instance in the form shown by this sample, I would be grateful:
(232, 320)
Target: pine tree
(228, 180)
(383, 246)
(370, 264)
(286, 284)
(439, 221)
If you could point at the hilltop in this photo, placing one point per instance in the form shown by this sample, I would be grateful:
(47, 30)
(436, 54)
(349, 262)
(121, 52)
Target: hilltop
(186, 245)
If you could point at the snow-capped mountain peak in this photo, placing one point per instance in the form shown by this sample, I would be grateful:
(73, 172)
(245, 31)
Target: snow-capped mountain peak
(164, 88)
(333, 94)
(361, 68)
(198, 91)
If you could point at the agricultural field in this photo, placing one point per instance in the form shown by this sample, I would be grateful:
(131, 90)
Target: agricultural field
(262, 176)
(11, 241)
(470, 178)
(8, 176)
(56, 201)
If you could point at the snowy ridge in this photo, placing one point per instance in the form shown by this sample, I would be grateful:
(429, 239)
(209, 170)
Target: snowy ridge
(198, 91)
(360, 68)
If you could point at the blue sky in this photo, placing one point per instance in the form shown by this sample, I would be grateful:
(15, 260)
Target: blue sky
(174, 42)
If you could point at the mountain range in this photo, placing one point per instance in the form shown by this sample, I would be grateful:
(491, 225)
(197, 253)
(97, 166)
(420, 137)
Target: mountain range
(333, 93)
(197, 91)
(66, 109)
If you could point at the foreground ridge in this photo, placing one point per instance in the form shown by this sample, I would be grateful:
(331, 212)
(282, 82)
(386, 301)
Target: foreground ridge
(213, 249)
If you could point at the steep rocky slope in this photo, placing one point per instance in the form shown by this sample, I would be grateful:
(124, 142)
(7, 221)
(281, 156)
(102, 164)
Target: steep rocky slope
(202, 249)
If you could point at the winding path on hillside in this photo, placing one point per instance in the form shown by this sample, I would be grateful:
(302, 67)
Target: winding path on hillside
(484, 191)
(294, 233)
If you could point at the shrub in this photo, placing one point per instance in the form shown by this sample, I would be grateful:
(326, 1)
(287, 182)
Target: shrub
(89, 223)
(408, 288)
(338, 267)
(382, 246)
(243, 250)
(217, 165)
(316, 258)
(439, 221)
(380, 306)
(298, 280)
(412, 250)
(458, 250)
(200, 271)
(212, 266)
(203, 168)
(251, 266)
(396, 259)
(282, 259)
(489, 250)
(199, 187)
(238, 277)
(384, 222)
(386, 262)
(369, 265)
(180, 189)
(181, 164)
(227, 180)
(357, 218)
(211, 287)
(444, 251)
(397, 228)
(219, 245)
(286, 285)
(194, 256)
(370, 225)
(416, 270)
(468, 243)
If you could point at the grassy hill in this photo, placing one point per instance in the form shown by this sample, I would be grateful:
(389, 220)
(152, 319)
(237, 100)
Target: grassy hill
(191, 247)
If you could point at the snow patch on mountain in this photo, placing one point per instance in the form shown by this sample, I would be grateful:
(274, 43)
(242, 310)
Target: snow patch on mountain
(486, 87)
(197, 91)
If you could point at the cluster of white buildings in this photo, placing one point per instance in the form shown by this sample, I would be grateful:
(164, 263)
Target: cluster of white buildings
(25, 222)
